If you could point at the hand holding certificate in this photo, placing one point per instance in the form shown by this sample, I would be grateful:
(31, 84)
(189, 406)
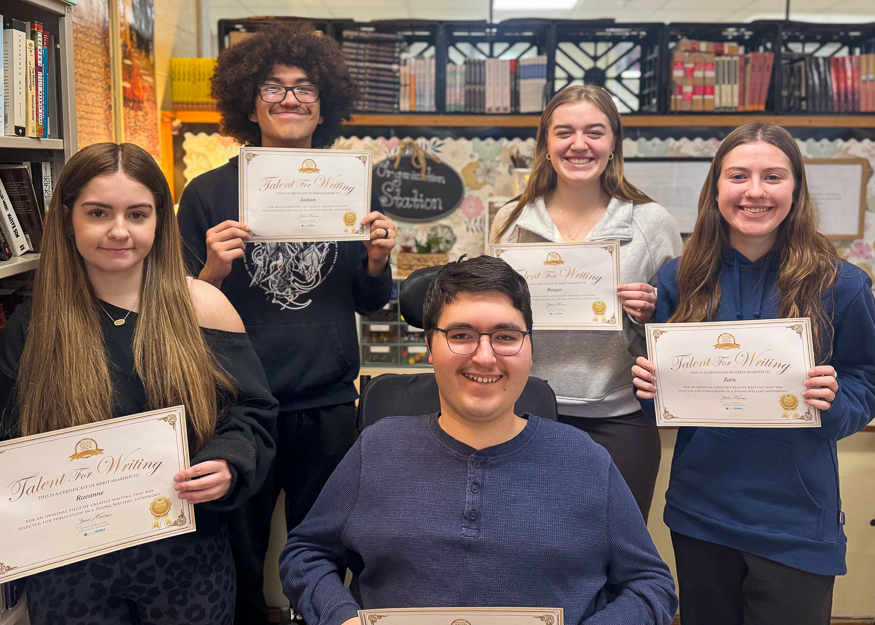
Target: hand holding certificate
(732, 374)
(304, 195)
(573, 286)
(80, 492)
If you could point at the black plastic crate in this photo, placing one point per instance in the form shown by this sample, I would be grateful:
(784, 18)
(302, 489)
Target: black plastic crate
(254, 24)
(813, 45)
(422, 39)
(758, 36)
(515, 40)
(625, 59)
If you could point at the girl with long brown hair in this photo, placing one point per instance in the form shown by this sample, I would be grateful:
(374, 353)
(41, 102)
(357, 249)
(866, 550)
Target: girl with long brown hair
(116, 328)
(755, 514)
(577, 192)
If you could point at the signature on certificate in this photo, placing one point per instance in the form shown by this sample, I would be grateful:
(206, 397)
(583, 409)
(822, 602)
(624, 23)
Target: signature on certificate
(92, 519)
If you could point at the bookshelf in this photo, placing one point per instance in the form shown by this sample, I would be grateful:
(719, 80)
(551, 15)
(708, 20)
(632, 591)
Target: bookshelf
(57, 19)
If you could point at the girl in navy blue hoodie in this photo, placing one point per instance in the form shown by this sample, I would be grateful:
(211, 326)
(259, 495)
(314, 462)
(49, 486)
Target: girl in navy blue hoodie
(755, 514)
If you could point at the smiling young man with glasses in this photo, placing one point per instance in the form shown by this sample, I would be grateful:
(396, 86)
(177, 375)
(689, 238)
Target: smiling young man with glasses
(287, 87)
(474, 505)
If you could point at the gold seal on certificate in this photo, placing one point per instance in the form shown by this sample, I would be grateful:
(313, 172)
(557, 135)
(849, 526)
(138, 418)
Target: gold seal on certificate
(304, 195)
(160, 507)
(732, 374)
(573, 285)
(115, 491)
(86, 448)
(462, 616)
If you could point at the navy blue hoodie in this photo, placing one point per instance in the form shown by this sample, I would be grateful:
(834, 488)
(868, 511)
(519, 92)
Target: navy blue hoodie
(297, 300)
(774, 492)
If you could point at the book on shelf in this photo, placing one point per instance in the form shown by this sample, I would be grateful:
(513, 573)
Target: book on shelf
(29, 93)
(190, 84)
(11, 226)
(497, 86)
(14, 77)
(836, 84)
(18, 186)
(718, 76)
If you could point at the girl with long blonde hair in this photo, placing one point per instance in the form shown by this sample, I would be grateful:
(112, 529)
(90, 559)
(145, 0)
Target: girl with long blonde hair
(756, 514)
(577, 192)
(116, 328)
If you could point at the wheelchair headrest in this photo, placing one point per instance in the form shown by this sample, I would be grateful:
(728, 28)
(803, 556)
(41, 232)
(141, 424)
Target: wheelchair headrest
(411, 296)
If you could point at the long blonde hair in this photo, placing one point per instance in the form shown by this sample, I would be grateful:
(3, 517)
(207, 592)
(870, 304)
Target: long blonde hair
(64, 373)
(807, 260)
(543, 177)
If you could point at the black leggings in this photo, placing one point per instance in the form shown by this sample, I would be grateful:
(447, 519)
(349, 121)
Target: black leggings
(633, 442)
(719, 585)
(184, 579)
(310, 444)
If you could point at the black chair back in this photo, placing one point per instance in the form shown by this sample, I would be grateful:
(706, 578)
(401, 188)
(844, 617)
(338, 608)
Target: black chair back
(408, 394)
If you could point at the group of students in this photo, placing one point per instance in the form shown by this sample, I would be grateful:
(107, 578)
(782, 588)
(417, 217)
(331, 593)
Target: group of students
(261, 348)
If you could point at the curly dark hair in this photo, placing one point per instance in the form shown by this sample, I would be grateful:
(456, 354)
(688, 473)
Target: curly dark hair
(243, 66)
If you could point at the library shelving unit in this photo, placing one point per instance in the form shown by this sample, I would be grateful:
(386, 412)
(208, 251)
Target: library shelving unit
(56, 18)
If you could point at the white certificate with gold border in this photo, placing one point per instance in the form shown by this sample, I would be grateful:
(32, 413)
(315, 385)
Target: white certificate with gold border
(732, 374)
(80, 492)
(573, 285)
(462, 616)
(290, 194)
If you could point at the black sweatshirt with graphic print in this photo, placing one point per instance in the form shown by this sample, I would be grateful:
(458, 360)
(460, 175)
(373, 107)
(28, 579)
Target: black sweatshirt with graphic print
(297, 300)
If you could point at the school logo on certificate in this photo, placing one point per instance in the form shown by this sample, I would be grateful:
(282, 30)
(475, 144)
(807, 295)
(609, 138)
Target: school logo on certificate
(726, 341)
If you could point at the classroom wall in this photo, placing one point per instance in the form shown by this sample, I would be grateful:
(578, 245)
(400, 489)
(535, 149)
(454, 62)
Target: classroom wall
(176, 35)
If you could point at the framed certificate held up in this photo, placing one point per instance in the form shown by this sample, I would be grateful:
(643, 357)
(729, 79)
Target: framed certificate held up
(305, 195)
(732, 374)
(573, 285)
(81, 492)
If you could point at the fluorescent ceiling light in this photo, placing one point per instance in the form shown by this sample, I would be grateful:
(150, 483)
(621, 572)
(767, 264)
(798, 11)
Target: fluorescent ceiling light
(542, 5)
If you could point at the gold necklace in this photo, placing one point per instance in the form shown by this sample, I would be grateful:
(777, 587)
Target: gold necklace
(565, 223)
(115, 322)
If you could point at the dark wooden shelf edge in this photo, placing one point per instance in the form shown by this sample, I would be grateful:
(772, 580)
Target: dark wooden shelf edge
(531, 121)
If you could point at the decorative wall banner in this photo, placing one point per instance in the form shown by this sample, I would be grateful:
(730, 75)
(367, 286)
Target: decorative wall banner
(415, 185)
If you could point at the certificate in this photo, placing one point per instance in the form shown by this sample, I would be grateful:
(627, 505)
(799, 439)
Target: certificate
(462, 616)
(573, 286)
(735, 374)
(305, 195)
(76, 493)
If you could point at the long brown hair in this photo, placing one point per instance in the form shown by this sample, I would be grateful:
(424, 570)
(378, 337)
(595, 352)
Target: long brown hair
(543, 177)
(807, 260)
(64, 374)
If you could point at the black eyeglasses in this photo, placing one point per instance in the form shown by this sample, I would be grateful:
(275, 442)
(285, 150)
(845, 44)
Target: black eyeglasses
(305, 94)
(465, 341)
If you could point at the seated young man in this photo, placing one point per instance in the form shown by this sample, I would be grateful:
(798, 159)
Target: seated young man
(475, 506)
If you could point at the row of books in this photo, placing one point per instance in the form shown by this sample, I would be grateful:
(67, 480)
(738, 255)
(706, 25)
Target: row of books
(837, 84)
(10, 595)
(190, 82)
(417, 89)
(374, 61)
(496, 86)
(712, 76)
(28, 80)
(22, 206)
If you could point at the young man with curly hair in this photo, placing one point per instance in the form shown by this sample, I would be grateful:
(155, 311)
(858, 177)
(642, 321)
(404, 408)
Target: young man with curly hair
(287, 87)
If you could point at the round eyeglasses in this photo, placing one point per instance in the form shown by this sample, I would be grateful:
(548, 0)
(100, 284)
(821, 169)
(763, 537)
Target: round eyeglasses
(305, 94)
(465, 341)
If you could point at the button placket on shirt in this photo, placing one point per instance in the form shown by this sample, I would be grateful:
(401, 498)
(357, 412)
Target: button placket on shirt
(473, 497)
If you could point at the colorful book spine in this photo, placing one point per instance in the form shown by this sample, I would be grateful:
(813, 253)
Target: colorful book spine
(15, 77)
